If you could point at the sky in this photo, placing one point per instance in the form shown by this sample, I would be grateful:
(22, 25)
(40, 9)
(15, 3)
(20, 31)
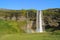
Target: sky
(29, 4)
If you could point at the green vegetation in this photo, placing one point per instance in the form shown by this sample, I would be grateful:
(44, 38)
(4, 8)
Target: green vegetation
(11, 26)
(24, 36)
(14, 29)
(6, 28)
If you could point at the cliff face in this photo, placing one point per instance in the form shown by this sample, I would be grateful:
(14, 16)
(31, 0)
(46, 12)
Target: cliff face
(51, 17)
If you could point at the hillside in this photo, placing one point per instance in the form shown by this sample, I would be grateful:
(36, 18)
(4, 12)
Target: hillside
(51, 16)
(13, 24)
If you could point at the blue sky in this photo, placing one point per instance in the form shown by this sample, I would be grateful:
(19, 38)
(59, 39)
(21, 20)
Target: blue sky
(29, 4)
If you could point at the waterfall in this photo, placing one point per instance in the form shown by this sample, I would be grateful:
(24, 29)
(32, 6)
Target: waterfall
(39, 23)
(39, 27)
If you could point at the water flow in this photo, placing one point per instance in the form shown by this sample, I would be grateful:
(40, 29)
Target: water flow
(39, 21)
(41, 28)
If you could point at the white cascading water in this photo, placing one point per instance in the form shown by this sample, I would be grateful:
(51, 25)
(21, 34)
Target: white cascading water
(39, 27)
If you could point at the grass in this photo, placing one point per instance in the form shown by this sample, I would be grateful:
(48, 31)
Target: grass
(25, 36)
(8, 27)
(10, 30)
(5, 27)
